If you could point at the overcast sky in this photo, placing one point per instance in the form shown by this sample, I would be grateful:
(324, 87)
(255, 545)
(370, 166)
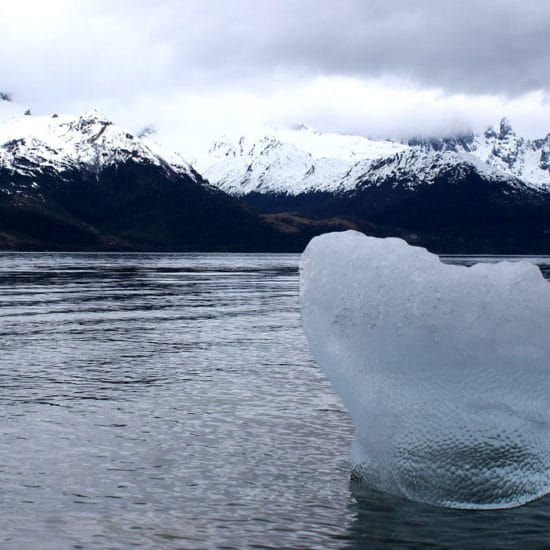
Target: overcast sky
(198, 68)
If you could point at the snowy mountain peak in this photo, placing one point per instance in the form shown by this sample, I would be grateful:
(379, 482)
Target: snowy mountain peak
(90, 142)
(92, 117)
(311, 142)
(300, 159)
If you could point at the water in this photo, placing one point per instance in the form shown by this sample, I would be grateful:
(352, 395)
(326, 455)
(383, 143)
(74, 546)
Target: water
(171, 401)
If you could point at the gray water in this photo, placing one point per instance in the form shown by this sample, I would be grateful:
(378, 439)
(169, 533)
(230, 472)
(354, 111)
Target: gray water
(170, 401)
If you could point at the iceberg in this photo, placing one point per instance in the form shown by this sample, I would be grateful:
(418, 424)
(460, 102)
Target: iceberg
(444, 369)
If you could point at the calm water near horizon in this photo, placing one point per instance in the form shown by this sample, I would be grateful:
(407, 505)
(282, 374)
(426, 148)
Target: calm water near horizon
(170, 401)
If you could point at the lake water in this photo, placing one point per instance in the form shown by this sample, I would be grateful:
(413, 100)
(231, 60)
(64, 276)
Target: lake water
(170, 401)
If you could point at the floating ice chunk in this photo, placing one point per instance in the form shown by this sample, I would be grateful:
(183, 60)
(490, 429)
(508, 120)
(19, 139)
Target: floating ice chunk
(444, 369)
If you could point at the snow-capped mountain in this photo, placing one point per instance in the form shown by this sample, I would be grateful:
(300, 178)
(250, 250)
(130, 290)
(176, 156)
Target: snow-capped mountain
(302, 160)
(487, 189)
(90, 143)
(502, 149)
(293, 161)
(85, 183)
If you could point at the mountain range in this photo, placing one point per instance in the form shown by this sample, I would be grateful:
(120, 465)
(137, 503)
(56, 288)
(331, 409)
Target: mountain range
(84, 183)
(486, 191)
(301, 160)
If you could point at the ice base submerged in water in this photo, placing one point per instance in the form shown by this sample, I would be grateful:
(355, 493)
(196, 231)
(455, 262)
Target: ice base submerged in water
(444, 369)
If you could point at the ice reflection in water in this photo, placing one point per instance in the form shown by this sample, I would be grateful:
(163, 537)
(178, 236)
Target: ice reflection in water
(170, 400)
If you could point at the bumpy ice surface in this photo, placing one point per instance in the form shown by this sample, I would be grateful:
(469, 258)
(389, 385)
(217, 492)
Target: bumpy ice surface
(444, 369)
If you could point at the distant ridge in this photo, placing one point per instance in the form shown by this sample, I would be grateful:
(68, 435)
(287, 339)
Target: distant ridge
(487, 191)
(301, 159)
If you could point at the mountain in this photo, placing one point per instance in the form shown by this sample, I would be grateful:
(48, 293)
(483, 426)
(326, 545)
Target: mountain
(484, 192)
(85, 183)
(301, 160)
(502, 149)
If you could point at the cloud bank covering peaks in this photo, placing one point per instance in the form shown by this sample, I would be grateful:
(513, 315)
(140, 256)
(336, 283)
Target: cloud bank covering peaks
(199, 68)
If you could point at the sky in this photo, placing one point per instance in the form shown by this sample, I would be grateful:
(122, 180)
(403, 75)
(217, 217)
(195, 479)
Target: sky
(197, 69)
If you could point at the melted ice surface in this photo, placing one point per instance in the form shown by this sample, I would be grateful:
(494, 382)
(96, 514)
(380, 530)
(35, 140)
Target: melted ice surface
(444, 369)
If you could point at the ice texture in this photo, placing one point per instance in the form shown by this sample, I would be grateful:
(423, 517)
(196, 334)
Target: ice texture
(444, 369)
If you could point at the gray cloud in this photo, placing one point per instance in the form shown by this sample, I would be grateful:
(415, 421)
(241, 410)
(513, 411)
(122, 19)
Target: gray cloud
(122, 54)
(493, 46)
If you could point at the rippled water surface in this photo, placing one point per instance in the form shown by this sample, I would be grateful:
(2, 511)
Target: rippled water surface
(170, 401)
